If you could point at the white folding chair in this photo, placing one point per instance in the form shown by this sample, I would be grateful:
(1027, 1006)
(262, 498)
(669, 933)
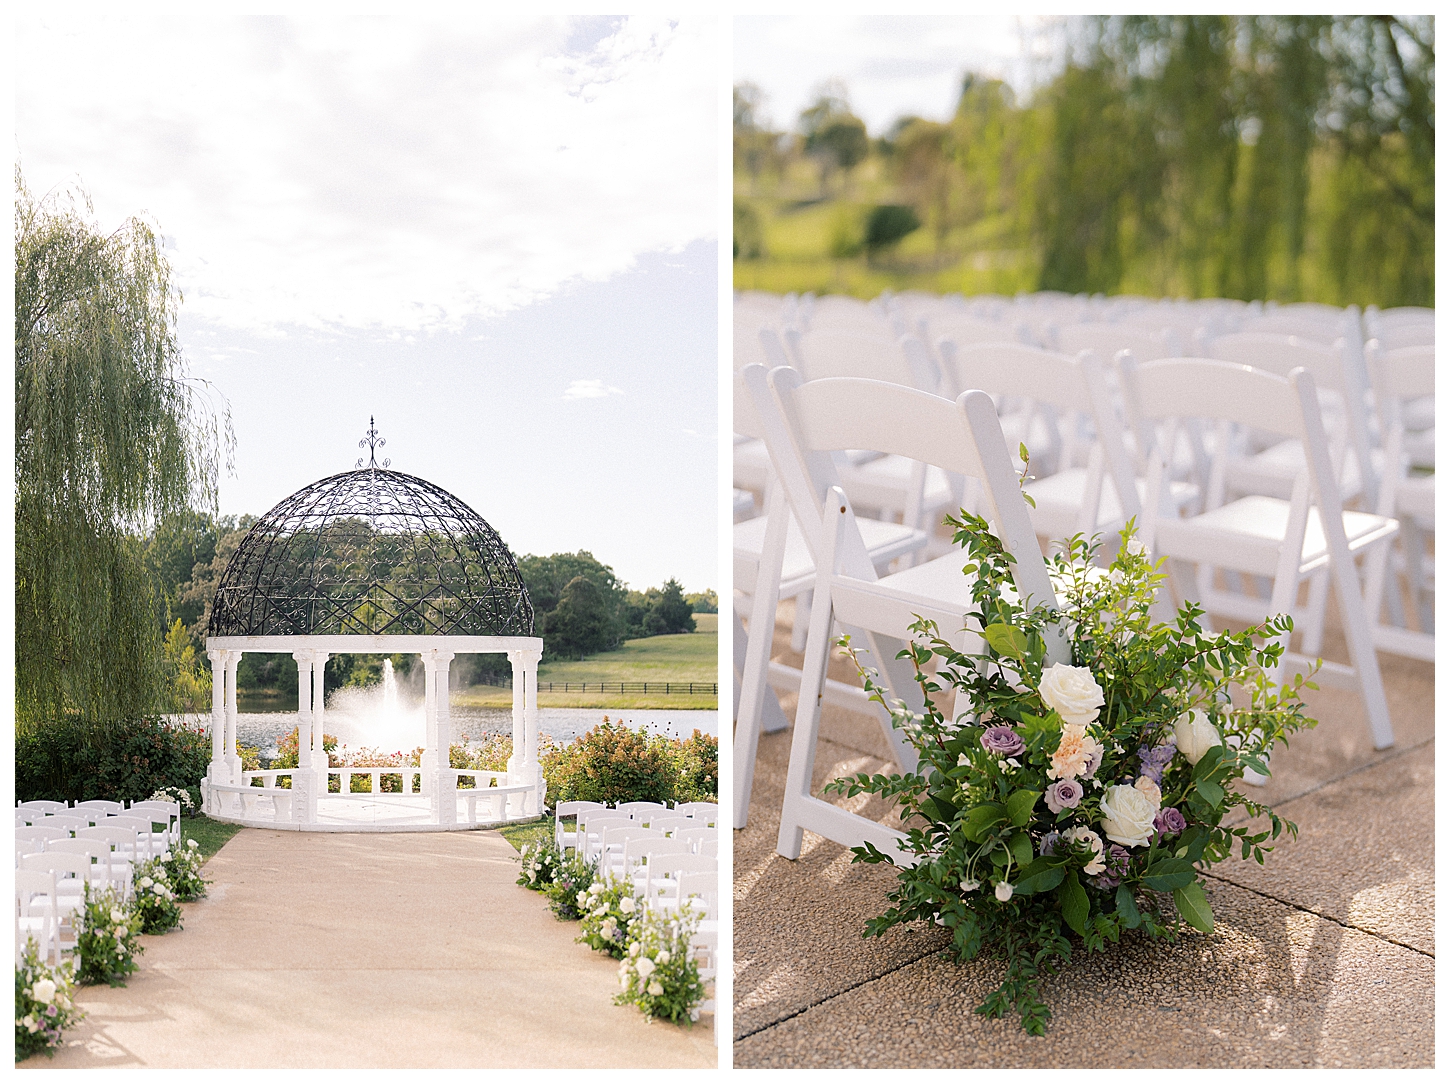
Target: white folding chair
(639, 853)
(704, 812)
(642, 812)
(1265, 536)
(592, 823)
(72, 873)
(1401, 378)
(661, 870)
(122, 839)
(36, 836)
(42, 807)
(773, 561)
(37, 917)
(149, 842)
(570, 840)
(103, 873)
(809, 421)
(612, 843)
(100, 805)
(169, 814)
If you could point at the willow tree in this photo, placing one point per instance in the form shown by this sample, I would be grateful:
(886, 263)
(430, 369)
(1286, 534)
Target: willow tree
(110, 435)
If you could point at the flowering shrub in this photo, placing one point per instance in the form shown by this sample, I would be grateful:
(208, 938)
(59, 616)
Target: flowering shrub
(1083, 798)
(106, 942)
(43, 1006)
(659, 972)
(541, 864)
(181, 795)
(155, 901)
(609, 909)
(568, 892)
(183, 871)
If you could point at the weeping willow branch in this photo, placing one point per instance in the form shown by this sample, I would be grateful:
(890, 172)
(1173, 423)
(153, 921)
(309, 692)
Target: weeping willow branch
(111, 434)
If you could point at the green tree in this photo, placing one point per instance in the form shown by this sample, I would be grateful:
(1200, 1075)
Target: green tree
(669, 612)
(583, 623)
(834, 136)
(110, 436)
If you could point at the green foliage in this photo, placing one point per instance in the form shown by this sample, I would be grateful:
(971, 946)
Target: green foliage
(703, 602)
(569, 890)
(43, 1005)
(659, 973)
(106, 944)
(609, 911)
(749, 241)
(584, 622)
(72, 760)
(190, 680)
(153, 898)
(1016, 867)
(669, 613)
(110, 433)
(887, 224)
(612, 763)
(541, 864)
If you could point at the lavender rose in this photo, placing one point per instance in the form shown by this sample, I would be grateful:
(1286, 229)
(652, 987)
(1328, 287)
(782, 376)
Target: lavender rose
(1064, 794)
(1169, 822)
(1003, 741)
(1048, 845)
(1117, 868)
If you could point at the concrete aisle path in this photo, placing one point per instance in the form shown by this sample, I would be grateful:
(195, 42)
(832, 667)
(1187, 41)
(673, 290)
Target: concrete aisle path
(371, 951)
(1325, 956)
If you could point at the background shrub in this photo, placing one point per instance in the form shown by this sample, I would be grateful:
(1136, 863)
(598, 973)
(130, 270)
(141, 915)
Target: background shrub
(698, 763)
(126, 760)
(612, 763)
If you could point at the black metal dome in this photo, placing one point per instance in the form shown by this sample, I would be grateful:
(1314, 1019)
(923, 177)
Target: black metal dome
(371, 551)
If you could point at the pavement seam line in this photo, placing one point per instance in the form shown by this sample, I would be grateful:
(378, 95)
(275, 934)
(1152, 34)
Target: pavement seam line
(839, 993)
(1310, 910)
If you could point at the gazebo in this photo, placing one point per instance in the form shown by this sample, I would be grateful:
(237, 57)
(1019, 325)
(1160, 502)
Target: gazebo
(372, 561)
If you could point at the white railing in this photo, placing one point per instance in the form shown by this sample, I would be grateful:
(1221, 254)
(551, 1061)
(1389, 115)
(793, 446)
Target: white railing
(407, 776)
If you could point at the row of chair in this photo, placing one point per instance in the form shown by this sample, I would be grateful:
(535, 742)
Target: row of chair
(1197, 491)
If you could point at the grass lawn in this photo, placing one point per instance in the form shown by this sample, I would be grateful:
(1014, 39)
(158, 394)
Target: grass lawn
(685, 657)
(209, 834)
(529, 832)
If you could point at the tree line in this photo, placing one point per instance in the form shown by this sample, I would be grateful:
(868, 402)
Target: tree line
(1287, 157)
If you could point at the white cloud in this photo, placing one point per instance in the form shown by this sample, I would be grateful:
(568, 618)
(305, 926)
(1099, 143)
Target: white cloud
(399, 172)
(590, 389)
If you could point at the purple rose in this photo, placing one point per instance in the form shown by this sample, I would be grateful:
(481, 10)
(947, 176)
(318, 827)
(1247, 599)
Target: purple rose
(1155, 759)
(1169, 822)
(1117, 863)
(1048, 844)
(1003, 741)
(1064, 794)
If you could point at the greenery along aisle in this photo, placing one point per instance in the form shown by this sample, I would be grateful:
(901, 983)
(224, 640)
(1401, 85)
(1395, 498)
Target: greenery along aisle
(1081, 799)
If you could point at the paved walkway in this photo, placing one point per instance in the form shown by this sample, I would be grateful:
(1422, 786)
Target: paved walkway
(1323, 957)
(371, 951)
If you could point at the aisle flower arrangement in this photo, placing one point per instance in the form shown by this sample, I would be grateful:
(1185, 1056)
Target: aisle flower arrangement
(106, 944)
(183, 870)
(609, 910)
(1084, 797)
(542, 863)
(43, 1005)
(659, 973)
(154, 901)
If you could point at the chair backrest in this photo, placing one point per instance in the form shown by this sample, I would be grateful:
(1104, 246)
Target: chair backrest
(1108, 340)
(97, 850)
(636, 852)
(118, 836)
(706, 811)
(1399, 377)
(701, 888)
(61, 820)
(805, 421)
(40, 832)
(43, 806)
(669, 863)
(30, 883)
(573, 809)
(102, 805)
(641, 812)
(76, 866)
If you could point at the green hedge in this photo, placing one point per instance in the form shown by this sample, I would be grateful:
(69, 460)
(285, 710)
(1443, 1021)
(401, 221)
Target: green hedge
(123, 760)
(612, 763)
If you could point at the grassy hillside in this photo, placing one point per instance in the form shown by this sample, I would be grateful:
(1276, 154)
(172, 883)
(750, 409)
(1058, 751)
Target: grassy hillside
(686, 657)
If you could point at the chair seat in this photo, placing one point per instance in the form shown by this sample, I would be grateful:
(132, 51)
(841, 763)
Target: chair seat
(1059, 498)
(1246, 535)
(1272, 471)
(884, 542)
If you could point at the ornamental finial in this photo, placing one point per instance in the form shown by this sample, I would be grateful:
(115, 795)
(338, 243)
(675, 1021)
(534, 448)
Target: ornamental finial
(372, 442)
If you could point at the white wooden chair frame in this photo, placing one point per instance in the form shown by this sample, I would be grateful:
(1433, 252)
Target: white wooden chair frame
(963, 437)
(1261, 535)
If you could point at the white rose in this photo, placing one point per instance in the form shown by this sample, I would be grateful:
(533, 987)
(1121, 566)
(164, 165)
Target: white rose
(624, 978)
(1072, 693)
(145, 882)
(645, 967)
(656, 989)
(664, 956)
(582, 899)
(1087, 835)
(1128, 815)
(191, 844)
(166, 856)
(117, 915)
(1195, 734)
(634, 949)
(1004, 891)
(43, 991)
(626, 905)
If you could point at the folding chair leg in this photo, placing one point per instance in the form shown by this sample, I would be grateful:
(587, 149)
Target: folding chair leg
(802, 621)
(1313, 638)
(807, 729)
(754, 688)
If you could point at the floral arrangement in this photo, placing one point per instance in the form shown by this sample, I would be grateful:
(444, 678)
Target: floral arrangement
(106, 942)
(568, 892)
(183, 871)
(541, 864)
(659, 972)
(610, 910)
(1082, 797)
(180, 795)
(43, 1005)
(154, 901)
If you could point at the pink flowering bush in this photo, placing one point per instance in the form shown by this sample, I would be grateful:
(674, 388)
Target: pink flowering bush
(1084, 798)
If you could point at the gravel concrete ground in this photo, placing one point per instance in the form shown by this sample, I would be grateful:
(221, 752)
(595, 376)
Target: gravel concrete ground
(371, 951)
(1322, 957)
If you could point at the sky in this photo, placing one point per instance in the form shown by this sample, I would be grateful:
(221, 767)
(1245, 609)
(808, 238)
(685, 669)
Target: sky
(892, 64)
(495, 234)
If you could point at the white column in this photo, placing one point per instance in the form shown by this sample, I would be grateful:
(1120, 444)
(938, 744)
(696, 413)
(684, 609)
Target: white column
(438, 735)
(516, 758)
(319, 754)
(218, 771)
(531, 657)
(234, 761)
(304, 708)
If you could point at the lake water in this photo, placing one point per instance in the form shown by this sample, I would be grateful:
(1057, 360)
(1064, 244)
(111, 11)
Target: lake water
(403, 730)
